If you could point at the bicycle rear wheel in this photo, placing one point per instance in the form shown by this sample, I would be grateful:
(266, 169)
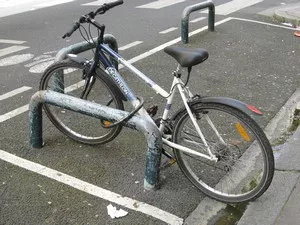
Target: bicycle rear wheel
(245, 165)
(67, 77)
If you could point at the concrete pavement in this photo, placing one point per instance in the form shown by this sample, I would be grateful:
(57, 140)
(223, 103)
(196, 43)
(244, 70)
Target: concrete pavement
(280, 204)
(288, 13)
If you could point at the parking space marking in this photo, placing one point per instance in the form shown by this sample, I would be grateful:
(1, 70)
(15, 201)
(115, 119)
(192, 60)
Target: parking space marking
(197, 19)
(234, 5)
(263, 23)
(11, 49)
(53, 3)
(92, 189)
(14, 113)
(130, 45)
(15, 42)
(168, 30)
(160, 4)
(14, 92)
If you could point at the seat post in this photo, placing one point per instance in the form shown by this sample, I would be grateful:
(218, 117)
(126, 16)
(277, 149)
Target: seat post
(178, 71)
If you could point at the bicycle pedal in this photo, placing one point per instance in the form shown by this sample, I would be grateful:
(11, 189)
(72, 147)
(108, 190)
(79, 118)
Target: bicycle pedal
(152, 110)
(167, 163)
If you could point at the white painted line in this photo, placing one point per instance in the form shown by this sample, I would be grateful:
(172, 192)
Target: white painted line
(92, 189)
(74, 86)
(11, 49)
(14, 113)
(5, 41)
(53, 3)
(15, 59)
(14, 92)
(263, 23)
(168, 30)
(39, 61)
(233, 6)
(197, 20)
(130, 45)
(159, 4)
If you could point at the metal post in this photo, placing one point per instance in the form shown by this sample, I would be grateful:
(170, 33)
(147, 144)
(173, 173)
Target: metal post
(85, 46)
(185, 18)
(148, 127)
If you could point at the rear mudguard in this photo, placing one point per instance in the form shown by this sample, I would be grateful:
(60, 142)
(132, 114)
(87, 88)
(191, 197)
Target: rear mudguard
(101, 72)
(248, 109)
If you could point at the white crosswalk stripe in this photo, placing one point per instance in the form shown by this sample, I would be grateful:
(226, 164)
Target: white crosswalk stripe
(160, 4)
(11, 49)
(14, 92)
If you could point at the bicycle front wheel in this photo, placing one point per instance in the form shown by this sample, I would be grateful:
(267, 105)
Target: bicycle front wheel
(245, 165)
(67, 77)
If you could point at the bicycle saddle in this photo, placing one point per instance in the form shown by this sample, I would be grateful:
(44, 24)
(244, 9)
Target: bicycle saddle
(187, 57)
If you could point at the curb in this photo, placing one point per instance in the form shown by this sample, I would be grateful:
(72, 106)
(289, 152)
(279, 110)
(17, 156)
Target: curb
(284, 14)
(289, 14)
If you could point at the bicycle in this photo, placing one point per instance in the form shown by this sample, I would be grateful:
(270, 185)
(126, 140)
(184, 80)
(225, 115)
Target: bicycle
(215, 142)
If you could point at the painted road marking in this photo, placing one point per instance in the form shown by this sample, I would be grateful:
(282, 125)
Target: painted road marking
(15, 42)
(12, 7)
(130, 45)
(53, 3)
(11, 49)
(15, 59)
(14, 92)
(159, 4)
(197, 20)
(161, 47)
(263, 23)
(233, 6)
(86, 187)
(14, 113)
(168, 30)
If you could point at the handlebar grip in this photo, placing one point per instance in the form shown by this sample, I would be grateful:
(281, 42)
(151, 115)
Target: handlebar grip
(107, 6)
(113, 4)
(70, 32)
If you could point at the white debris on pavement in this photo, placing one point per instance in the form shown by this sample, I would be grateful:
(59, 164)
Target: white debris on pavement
(114, 213)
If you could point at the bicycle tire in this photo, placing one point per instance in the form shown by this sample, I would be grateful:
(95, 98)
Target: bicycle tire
(79, 127)
(245, 165)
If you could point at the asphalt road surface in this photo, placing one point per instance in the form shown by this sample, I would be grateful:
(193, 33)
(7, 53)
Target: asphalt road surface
(69, 183)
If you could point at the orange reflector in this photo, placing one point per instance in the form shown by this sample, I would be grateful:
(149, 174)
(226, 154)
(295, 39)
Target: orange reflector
(242, 131)
(106, 123)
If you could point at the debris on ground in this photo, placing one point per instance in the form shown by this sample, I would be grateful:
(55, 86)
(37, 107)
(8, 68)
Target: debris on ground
(113, 212)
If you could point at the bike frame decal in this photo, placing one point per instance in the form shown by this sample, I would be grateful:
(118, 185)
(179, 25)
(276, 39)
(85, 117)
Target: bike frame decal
(138, 73)
(121, 83)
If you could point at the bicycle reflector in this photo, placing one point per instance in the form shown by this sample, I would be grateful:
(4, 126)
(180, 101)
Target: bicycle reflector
(253, 109)
(106, 123)
(242, 132)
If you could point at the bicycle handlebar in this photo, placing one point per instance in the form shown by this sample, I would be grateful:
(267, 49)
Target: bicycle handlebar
(87, 17)
(70, 32)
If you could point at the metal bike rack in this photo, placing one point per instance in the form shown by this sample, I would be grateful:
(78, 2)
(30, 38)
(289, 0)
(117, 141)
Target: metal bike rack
(85, 46)
(185, 18)
(147, 126)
